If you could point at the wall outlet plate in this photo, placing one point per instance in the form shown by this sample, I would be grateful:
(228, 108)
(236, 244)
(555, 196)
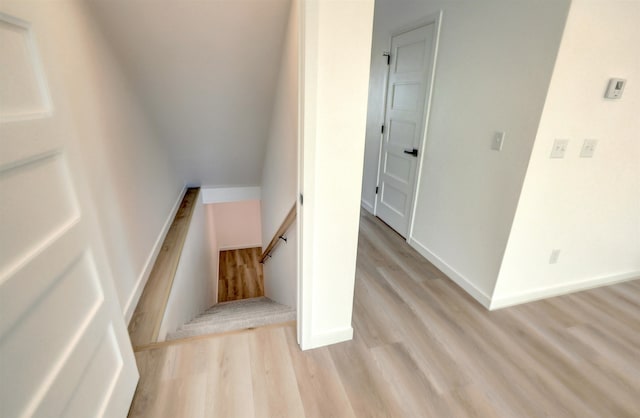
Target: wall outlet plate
(498, 140)
(559, 148)
(553, 258)
(588, 148)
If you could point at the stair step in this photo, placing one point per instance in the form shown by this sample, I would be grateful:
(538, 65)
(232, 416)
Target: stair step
(235, 315)
(246, 302)
(223, 309)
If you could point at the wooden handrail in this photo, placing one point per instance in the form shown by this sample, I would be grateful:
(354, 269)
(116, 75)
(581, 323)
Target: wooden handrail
(291, 216)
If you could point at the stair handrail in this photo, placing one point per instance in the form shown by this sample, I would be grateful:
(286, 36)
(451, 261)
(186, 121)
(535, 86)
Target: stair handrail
(279, 235)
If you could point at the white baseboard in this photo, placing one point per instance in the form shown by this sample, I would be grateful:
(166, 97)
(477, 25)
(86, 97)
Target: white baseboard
(151, 259)
(328, 338)
(368, 206)
(454, 275)
(229, 194)
(562, 289)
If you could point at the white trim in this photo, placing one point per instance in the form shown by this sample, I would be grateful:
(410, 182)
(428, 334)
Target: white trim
(561, 289)
(239, 247)
(368, 206)
(229, 194)
(306, 174)
(436, 18)
(452, 273)
(328, 338)
(151, 259)
(383, 114)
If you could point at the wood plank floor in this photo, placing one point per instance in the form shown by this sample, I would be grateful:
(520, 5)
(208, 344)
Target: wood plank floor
(421, 348)
(240, 274)
(146, 319)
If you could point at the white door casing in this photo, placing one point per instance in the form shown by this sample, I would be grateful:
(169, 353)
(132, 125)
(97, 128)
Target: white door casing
(64, 347)
(406, 108)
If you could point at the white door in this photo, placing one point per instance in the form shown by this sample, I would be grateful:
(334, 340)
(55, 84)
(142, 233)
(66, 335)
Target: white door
(410, 68)
(64, 348)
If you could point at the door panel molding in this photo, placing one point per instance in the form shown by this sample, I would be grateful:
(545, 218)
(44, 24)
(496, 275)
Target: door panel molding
(27, 95)
(61, 329)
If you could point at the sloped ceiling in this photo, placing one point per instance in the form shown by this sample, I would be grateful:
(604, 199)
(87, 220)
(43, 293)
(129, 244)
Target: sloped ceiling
(206, 71)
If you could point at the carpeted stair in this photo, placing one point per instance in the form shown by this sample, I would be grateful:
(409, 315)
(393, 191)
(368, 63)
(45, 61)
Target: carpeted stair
(235, 315)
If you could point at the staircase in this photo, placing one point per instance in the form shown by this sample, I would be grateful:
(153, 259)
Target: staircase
(235, 315)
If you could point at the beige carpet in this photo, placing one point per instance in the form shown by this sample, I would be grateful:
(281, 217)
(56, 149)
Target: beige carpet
(235, 315)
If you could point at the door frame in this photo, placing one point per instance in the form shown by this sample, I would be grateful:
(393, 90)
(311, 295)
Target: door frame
(436, 19)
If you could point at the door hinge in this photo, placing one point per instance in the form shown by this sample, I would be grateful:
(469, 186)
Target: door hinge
(301, 199)
(382, 129)
(388, 55)
(377, 189)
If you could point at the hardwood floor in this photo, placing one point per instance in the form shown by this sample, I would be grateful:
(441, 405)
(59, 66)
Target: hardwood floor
(146, 319)
(240, 274)
(421, 348)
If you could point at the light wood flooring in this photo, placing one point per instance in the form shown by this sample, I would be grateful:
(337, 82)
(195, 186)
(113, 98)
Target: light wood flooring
(240, 274)
(146, 319)
(421, 348)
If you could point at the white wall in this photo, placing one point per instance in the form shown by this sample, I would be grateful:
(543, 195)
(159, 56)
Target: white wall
(280, 172)
(281, 270)
(494, 63)
(214, 250)
(195, 282)
(132, 184)
(206, 71)
(336, 45)
(237, 224)
(230, 194)
(589, 208)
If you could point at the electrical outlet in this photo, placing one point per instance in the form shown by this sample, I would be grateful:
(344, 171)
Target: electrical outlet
(555, 254)
(498, 140)
(559, 148)
(588, 148)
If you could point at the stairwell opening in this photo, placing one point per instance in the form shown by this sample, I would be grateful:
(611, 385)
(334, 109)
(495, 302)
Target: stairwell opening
(221, 283)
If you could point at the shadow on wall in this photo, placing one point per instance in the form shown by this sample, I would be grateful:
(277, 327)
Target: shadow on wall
(235, 224)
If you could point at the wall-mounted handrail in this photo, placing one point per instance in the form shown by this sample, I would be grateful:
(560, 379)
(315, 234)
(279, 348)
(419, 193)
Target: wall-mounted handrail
(279, 235)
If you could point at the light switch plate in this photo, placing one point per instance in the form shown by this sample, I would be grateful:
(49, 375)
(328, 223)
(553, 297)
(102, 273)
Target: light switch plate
(588, 148)
(498, 140)
(559, 148)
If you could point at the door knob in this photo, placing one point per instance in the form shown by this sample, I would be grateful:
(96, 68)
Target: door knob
(413, 152)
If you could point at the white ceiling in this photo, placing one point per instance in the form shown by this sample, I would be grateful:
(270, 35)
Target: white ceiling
(206, 72)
